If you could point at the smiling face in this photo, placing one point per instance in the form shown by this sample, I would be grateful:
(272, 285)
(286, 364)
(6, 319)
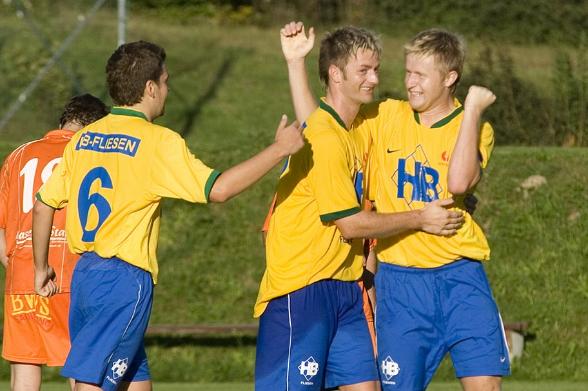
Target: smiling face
(360, 76)
(427, 87)
(434, 61)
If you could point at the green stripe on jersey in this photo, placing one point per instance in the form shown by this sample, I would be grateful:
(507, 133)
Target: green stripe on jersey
(128, 112)
(210, 182)
(339, 215)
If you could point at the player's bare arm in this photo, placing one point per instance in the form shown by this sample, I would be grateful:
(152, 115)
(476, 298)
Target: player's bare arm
(44, 275)
(3, 256)
(434, 218)
(464, 166)
(295, 46)
(289, 140)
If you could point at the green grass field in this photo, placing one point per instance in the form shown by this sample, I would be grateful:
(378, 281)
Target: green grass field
(538, 271)
(448, 386)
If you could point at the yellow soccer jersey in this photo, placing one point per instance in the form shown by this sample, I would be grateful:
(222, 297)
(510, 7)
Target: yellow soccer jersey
(113, 175)
(316, 187)
(409, 164)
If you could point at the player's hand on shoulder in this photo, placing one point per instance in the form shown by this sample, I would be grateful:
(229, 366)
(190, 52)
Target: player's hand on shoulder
(295, 43)
(289, 137)
(439, 220)
(45, 282)
(479, 98)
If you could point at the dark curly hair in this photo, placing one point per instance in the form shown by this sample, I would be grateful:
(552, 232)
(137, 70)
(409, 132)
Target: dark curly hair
(83, 110)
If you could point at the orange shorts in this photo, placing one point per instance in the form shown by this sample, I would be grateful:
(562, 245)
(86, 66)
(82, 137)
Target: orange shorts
(36, 329)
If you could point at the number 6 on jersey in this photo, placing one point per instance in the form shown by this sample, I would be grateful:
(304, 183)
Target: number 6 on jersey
(86, 200)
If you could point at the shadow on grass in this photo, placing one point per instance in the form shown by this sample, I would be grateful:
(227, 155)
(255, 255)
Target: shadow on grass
(192, 111)
(208, 341)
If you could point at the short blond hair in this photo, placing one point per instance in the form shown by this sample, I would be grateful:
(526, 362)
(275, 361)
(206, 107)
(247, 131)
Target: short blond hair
(446, 47)
(342, 44)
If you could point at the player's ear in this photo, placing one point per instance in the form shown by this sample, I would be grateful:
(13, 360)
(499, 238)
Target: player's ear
(149, 89)
(335, 74)
(450, 79)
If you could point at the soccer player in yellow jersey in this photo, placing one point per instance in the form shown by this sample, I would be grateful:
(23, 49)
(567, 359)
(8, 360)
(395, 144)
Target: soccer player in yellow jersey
(113, 176)
(313, 333)
(433, 295)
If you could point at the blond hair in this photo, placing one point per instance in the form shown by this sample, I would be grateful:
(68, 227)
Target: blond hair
(446, 47)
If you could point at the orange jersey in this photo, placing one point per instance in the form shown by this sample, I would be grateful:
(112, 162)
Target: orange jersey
(36, 329)
(23, 173)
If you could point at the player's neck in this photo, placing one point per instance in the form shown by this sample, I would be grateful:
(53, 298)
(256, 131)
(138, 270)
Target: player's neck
(142, 108)
(71, 125)
(437, 112)
(346, 108)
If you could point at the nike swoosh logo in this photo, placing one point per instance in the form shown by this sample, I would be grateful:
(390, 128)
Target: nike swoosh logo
(392, 150)
(502, 359)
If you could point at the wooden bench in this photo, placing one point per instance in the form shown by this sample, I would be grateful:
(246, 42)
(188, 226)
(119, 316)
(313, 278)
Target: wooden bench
(516, 332)
(194, 330)
(251, 329)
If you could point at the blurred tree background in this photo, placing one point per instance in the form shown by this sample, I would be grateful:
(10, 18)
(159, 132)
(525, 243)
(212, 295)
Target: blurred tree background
(532, 21)
(535, 107)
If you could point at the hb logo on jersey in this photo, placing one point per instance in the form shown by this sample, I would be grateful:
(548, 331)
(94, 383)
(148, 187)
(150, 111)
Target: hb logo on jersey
(358, 185)
(417, 171)
(390, 368)
(309, 368)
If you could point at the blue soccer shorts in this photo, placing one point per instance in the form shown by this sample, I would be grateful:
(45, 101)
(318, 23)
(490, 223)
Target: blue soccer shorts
(109, 312)
(314, 338)
(422, 314)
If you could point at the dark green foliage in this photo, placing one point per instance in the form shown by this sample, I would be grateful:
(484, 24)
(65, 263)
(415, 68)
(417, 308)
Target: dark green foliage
(189, 11)
(570, 104)
(162, 4)
(519, 115)
(523, 114)
(533, 21)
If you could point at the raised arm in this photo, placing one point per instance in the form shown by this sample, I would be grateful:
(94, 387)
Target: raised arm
(289, 140)
(44, 274)
(434, 218)
(464, 166)
(295, 46)
(3, 256)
